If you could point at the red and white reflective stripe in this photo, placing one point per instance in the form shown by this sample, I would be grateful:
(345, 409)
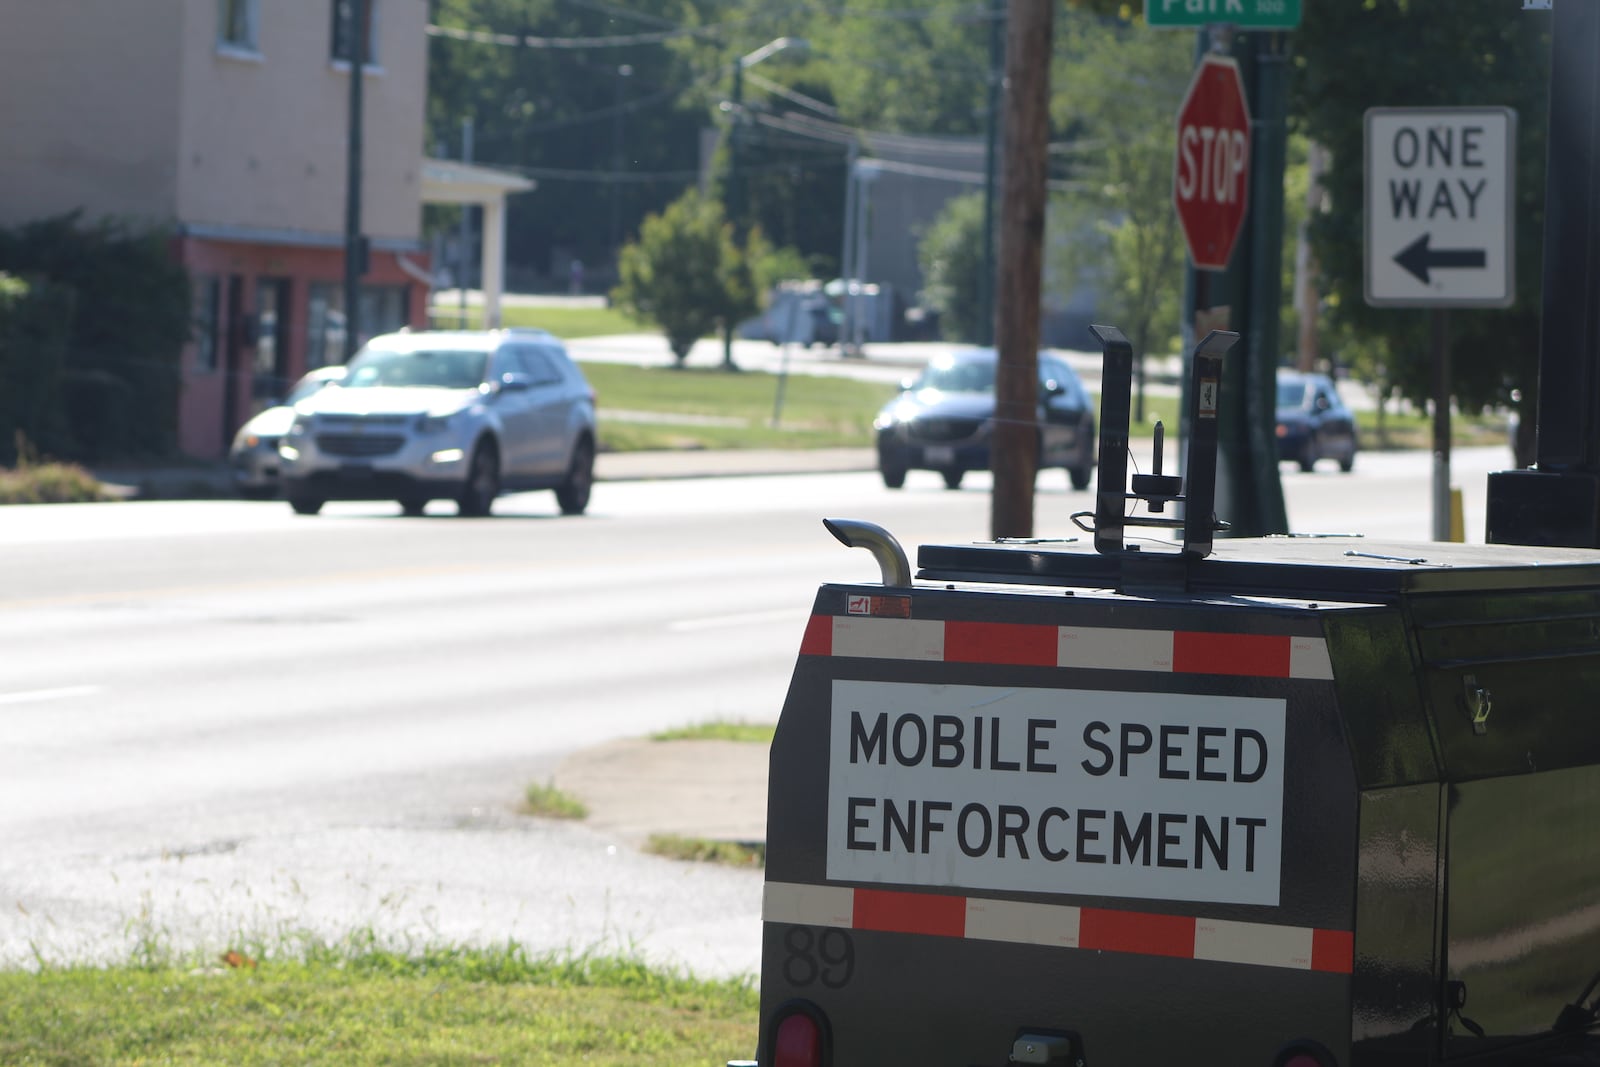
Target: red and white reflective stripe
(1084, 647)
(1299, 948)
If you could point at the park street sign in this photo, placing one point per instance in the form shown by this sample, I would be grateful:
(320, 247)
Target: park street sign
(1440, 194)
(1247, 14)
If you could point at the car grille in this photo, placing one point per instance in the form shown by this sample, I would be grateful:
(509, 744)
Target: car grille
(359, 444)
(944, 429)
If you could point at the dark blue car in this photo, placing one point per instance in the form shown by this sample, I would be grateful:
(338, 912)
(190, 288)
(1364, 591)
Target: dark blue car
(943, 420)
(1313, 423)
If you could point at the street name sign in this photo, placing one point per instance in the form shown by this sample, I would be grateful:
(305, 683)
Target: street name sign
(1211, 173)
(1440, 196)
(1246, 14)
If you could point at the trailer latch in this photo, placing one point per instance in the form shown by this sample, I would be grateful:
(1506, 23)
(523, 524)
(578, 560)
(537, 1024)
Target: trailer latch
(1479, 703)
(1044, 1048)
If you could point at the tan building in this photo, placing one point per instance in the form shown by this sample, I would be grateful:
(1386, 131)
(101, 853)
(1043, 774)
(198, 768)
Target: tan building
(227, 120)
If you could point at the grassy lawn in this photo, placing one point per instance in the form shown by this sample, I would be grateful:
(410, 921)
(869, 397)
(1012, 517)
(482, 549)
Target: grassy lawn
(565, 322)
(818, 412)
(1400, 429)
(460, 1006)
(720, 730)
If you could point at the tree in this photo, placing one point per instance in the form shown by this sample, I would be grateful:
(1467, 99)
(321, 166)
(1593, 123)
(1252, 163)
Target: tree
(951, 256)
(559, 114)
(1120, 87)
(677, 274)
(1464, 52)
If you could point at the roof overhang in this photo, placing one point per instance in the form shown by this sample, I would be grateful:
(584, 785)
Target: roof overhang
(447, 181)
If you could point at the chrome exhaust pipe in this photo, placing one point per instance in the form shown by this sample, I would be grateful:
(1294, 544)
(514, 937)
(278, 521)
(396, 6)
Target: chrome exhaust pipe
(854, 533)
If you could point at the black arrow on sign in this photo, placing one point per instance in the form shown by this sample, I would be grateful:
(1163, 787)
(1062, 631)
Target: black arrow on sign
(1417, 258)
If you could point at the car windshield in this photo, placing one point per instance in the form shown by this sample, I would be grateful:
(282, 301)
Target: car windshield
(438, 369)
(960, 377)
(1290, 394)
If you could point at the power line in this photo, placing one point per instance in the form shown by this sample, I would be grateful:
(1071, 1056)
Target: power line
(974, 14)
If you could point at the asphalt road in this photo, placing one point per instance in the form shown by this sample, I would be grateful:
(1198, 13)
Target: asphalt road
(221, 723)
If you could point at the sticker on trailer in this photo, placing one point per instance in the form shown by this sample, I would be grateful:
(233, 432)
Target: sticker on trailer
(1158, 796)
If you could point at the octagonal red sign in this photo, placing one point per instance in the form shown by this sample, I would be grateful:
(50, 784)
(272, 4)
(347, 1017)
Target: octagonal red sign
(1211, 178)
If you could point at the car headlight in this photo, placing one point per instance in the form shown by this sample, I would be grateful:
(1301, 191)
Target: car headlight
(435, 423)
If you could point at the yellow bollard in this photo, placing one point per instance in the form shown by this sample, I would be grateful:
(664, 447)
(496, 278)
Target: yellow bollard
(1458, 524)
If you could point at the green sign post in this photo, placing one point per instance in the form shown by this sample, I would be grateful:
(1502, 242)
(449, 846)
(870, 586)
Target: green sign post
(1246, 14)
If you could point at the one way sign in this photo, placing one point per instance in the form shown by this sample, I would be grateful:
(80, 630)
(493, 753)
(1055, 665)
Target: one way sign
(1440, 222)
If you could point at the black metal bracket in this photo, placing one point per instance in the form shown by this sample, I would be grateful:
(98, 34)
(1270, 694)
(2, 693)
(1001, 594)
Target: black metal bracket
(1197, 489)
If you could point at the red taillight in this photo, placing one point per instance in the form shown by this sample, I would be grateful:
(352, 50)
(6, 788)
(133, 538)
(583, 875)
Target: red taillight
(1304, 1053)
(798, 1043)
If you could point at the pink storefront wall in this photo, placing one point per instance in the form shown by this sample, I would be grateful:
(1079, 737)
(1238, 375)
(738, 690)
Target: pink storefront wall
(204, 427)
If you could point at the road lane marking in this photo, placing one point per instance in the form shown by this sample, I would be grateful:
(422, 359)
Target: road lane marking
(31, 696)
(719, 622)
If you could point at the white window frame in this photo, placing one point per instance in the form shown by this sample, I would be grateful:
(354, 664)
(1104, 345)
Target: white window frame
(250, 47)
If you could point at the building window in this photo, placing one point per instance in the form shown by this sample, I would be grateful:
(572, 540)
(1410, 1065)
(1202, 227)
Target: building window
(207, 302)
(384, 309)
(236, 25)
(343, 11)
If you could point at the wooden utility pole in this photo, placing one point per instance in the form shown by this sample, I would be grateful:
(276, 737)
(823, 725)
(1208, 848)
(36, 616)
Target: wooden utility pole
(1015, 455)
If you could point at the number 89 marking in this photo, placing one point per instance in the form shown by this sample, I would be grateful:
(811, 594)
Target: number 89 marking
(829, 957)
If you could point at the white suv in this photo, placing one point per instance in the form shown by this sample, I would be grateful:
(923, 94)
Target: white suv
(445, 415)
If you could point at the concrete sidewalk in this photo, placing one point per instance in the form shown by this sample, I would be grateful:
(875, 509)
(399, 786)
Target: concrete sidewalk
(203, 481)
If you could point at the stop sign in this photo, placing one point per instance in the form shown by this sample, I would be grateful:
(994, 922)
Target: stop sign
(1211, 181)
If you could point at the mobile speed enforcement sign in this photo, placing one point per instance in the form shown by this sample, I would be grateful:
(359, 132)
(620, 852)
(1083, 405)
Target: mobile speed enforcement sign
(1211, 176)
(1440, 190)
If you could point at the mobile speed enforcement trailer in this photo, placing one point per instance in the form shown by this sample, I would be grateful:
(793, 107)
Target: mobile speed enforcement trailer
(1291, 802)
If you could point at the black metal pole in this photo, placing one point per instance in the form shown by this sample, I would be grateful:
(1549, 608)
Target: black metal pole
(735, 133)
(354, 246)
(1441, 423)
(624, 72)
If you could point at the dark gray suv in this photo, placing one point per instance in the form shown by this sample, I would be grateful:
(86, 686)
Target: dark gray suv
(432, 415)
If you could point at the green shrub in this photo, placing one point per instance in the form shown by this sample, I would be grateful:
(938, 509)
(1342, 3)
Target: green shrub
(33, 343)
(49, 482)
(121, 307)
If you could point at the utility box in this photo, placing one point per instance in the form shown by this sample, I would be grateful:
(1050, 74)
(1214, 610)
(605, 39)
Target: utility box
(1288, 802)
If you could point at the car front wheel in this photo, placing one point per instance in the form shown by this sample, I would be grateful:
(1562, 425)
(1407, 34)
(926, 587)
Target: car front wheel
(1308, 454)
(573, 494)
(483, 482)
(304, 504)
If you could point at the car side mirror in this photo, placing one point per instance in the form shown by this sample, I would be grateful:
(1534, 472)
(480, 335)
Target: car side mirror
(513, 382)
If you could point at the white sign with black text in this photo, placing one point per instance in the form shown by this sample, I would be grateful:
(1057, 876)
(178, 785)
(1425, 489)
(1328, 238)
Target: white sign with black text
(1147, 795)
(1440, 206)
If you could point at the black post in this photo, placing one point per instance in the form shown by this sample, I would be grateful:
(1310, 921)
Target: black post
(1440, 329)
(354, 246)
(624, 72)
(1558, 502)
(735, 135)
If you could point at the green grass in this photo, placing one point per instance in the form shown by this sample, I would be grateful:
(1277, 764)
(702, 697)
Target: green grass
(567, 323)
(704, 850)
(49, 483)
(818, 412)
(370, 1007)
(719, 730)
(1412, 430)
(546, 801)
